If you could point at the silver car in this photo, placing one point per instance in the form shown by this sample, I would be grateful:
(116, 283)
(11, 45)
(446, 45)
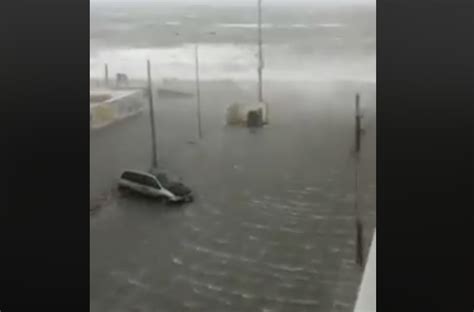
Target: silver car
(155, 185)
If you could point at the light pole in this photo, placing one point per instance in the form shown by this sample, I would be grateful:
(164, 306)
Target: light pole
(260, 62)
(106, 72)
(260, 54)
(154, 160)
(198, 85)
(198, 90)
(359, 224)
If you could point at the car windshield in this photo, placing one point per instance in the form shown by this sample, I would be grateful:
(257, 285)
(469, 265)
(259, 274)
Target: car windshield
(164, 180)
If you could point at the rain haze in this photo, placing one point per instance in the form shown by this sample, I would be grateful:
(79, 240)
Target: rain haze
(274, 224)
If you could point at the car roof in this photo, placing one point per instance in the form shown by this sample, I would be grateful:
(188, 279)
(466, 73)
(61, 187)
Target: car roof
(138, 172)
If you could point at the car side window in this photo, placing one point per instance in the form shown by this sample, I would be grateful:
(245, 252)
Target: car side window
(128, 176)
(149, 181)
(132, 177)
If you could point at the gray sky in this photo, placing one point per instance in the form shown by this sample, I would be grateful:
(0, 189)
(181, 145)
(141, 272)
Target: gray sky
(248, 2)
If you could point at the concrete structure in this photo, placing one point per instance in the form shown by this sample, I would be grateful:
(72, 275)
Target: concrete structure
(237, 113)
(108, 106)
(366, 300)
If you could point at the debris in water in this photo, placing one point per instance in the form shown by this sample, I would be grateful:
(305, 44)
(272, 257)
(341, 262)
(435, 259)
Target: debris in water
(237, 167)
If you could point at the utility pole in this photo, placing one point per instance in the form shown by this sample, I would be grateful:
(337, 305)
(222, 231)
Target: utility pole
(152, 118)
(359, 227)
(358, 130)
(260, 62)
(198, 91)
(106, 69)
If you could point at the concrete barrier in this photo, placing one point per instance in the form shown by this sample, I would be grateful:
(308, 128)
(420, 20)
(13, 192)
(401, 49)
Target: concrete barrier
(119, 105)
(366, 299)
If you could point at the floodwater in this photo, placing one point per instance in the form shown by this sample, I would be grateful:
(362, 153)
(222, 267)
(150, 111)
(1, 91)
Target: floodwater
(272, 227)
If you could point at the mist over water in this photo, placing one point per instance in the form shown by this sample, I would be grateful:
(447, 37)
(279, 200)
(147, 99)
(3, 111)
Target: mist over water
(315, 44)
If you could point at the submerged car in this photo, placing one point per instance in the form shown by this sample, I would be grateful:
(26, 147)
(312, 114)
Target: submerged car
(156, 184)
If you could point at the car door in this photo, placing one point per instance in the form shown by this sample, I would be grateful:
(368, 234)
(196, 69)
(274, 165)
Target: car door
(152, 186)
(138, 183)
(144, 188)
(132, 181)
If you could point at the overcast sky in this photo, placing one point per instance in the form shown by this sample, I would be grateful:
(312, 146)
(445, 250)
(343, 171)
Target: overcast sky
(266, 2)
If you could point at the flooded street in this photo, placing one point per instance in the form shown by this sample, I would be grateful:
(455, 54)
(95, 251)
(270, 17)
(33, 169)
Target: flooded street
(272, 227)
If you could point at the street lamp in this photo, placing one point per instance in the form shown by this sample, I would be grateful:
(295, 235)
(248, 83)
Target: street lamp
(260, 62)
(154, 163)
(198, 87)
(260, 53)
(198, 90)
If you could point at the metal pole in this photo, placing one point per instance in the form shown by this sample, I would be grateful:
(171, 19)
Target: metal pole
(357, 124)
(106, 68)
(358, 222)
(198, 91)
(260, 53)
(359, 226)
(152, 118)
(261, 63)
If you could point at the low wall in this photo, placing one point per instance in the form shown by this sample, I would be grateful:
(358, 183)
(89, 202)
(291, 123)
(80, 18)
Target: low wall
(120, 105)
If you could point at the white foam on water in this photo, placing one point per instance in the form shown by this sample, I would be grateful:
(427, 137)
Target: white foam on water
(244, 295)
(286, 267)
(173, 23)
(304, 301)
(228, 61)
(252, 238)
(256, 226)
(215, 211)
(221, 300)
(299, 204)
(208, 272)
(284, 277)
(219, 254)
(287, 285)
(244, 25)
(331, 25)
(191, 304)
(137, 283)
(221, 241)
(290, 230)
(194, 228)
(293, 301)
(312, 189)
(299, 26)
(217, 288)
